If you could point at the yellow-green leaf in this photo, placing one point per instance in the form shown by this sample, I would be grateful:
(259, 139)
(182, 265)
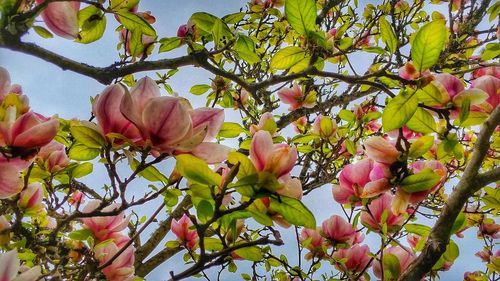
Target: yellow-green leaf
(428, 44)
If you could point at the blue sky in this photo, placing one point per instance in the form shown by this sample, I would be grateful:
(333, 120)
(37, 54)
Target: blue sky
(54, 91)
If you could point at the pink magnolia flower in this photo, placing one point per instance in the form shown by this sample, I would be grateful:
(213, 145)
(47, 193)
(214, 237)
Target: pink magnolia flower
(413, 239)
(356, 258)
(11, 182)
(62, 18)
(76, 198)
(451, 84)
(327, 130)
(106, 108)
(181, 229)
(363, 179)
(296, 98)
(170, 125)
(484, 255)
(53, 156)
(380, 150)
(489, 228)
(490, 85)
(31, 199)
(104, 227)
(300, 125)
(291, 187)
(182, 31)
(278, 159)
(266, 122)
(491, 70)
(122, 268)
(338, 230)
(312, 239)
(377, 208)
(404, 255)
(30, 130)
(4, 82)
(9, 267)
(409, 72)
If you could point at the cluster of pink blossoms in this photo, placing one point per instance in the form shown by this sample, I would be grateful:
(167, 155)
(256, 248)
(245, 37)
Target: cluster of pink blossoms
(107, 229)
(166, 124)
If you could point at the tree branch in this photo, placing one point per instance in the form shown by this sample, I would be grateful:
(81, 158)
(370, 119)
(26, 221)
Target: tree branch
(466, 187)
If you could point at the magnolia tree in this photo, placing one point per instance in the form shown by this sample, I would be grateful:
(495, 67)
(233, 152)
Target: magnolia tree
(389, 107)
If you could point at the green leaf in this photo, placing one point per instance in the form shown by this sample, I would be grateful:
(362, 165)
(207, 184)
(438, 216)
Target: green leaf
(168, 44)
(87, 136)
(132, 21)
(391, 263)
(250, 185)
(472, 96)
(422, 121)
(287, 57)
(150, 173)
(117, 5)
(81, 152)
(221, 33)
(43, 32)
(205, 211)
(294, 211)
(245, 48)
(433, 94)
(491, 51)
(428, 44)
(171, 197)
(460, 222)
(233, 18)
(422, 181)
(199, 89)
(92, 23)
(82, 170)
(399, 110)
(230, 130)
(464, 110)
(80, 235)
(421, 146)
(474, 118)
(388, 35)
(203, 21)
(196, 170)
(301, 14)
(252, 253)
(246, 166)
(213, 244)
(419, 229)
(347, 115)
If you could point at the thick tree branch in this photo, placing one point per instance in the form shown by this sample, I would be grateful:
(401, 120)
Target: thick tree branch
(466, 187)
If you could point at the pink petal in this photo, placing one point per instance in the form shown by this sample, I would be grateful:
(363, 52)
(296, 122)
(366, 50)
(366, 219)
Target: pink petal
(10, 180)
(9, 265)
(62, 18)
(260, 149)
(211, 152)
(166, 119)
(145, 89)
(4, 82)
(210, 117)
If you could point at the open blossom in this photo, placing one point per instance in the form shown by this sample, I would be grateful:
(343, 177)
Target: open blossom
(76, 198)
(62, 18)
(170, 125)
(489, 228)
(377, 208)
(277, 159)
(31, 199)
(11, 182)
(300, 125)
(104, 227)
(53, 156)
(296, 98)
(122, 268)
(403, 255)
(356, 257)
(491, 70)
(363, 179)
(380, 150)
(338, 230)
(181, 229)
(9, 267)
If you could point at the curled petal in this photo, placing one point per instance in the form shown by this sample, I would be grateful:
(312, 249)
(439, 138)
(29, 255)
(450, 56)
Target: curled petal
(212, 118)
(9, 265)
(380, 150)
(33, 130)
